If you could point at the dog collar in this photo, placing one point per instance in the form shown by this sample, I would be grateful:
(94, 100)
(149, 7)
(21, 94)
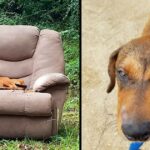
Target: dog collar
(135, 145)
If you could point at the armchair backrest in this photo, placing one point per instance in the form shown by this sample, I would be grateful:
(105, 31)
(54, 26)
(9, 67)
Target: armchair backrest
(27, 53)
(48, 57)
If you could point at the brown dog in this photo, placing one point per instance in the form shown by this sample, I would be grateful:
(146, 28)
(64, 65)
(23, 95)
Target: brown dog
(11, 84)
(130, 65)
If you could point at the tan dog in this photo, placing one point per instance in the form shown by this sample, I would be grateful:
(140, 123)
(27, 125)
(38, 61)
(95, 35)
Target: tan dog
(130, 65)
(11, 84)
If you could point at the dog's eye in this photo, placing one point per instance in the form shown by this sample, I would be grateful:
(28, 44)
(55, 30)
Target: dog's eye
(122, 75)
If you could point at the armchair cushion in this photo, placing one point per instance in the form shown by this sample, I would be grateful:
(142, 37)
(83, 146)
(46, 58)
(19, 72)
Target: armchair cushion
(25, 104)
(17, 42)
(49, 80)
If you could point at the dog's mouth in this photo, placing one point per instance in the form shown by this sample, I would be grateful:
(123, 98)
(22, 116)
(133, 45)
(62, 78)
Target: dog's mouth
(136, 131)
(141, 139)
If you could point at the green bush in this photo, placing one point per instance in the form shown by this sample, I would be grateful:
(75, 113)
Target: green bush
(65, 13)
(72, 64)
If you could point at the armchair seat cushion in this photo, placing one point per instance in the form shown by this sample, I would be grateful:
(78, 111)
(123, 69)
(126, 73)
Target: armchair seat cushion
(25, 104)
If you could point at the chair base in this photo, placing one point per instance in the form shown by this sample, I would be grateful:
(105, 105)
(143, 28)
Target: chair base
(22, 126)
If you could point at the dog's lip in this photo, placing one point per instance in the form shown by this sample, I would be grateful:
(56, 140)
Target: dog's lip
(146, 138)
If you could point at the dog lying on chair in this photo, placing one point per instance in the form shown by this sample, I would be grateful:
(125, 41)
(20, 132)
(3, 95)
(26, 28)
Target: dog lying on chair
(11, 84)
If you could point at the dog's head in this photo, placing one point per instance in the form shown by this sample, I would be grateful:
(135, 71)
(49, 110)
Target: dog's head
(130, 67)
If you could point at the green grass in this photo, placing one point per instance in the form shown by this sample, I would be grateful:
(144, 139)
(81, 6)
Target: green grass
(71, 52)
(67, 138)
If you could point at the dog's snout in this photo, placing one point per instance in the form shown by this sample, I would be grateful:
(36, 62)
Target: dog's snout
(137, 131)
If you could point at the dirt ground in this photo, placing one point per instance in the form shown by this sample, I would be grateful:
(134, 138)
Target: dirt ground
(106, 25)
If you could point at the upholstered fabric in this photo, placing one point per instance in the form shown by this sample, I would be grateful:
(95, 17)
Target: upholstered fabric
(25, 104)
(17, 47)
(9, 69)
(48, 57)
(27, 80)
(34, 56)
(22, 126)
(17, 42)
(49, 80)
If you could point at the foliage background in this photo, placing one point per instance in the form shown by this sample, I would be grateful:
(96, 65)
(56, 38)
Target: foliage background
(62, 16)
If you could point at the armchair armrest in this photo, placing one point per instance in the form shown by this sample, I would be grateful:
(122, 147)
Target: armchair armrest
(49, 80)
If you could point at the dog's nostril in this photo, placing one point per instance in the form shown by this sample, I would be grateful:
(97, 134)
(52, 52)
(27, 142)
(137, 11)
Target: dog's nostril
(136, 131)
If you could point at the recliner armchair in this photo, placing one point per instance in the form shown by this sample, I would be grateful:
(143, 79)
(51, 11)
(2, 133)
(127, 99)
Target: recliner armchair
(37, 58)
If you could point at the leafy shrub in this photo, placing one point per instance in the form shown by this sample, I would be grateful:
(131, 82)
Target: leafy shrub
(64, 12)
(72, 64)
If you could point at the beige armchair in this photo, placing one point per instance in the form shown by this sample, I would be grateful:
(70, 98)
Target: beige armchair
(36, 57)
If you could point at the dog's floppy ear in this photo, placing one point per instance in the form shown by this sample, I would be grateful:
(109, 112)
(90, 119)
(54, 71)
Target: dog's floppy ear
(111, 69)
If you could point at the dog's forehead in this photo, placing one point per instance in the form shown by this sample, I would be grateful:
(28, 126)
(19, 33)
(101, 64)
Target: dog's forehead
(134, 57)
(136, 50)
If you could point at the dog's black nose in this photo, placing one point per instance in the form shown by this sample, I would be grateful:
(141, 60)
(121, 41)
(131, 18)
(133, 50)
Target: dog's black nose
(137, 131)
